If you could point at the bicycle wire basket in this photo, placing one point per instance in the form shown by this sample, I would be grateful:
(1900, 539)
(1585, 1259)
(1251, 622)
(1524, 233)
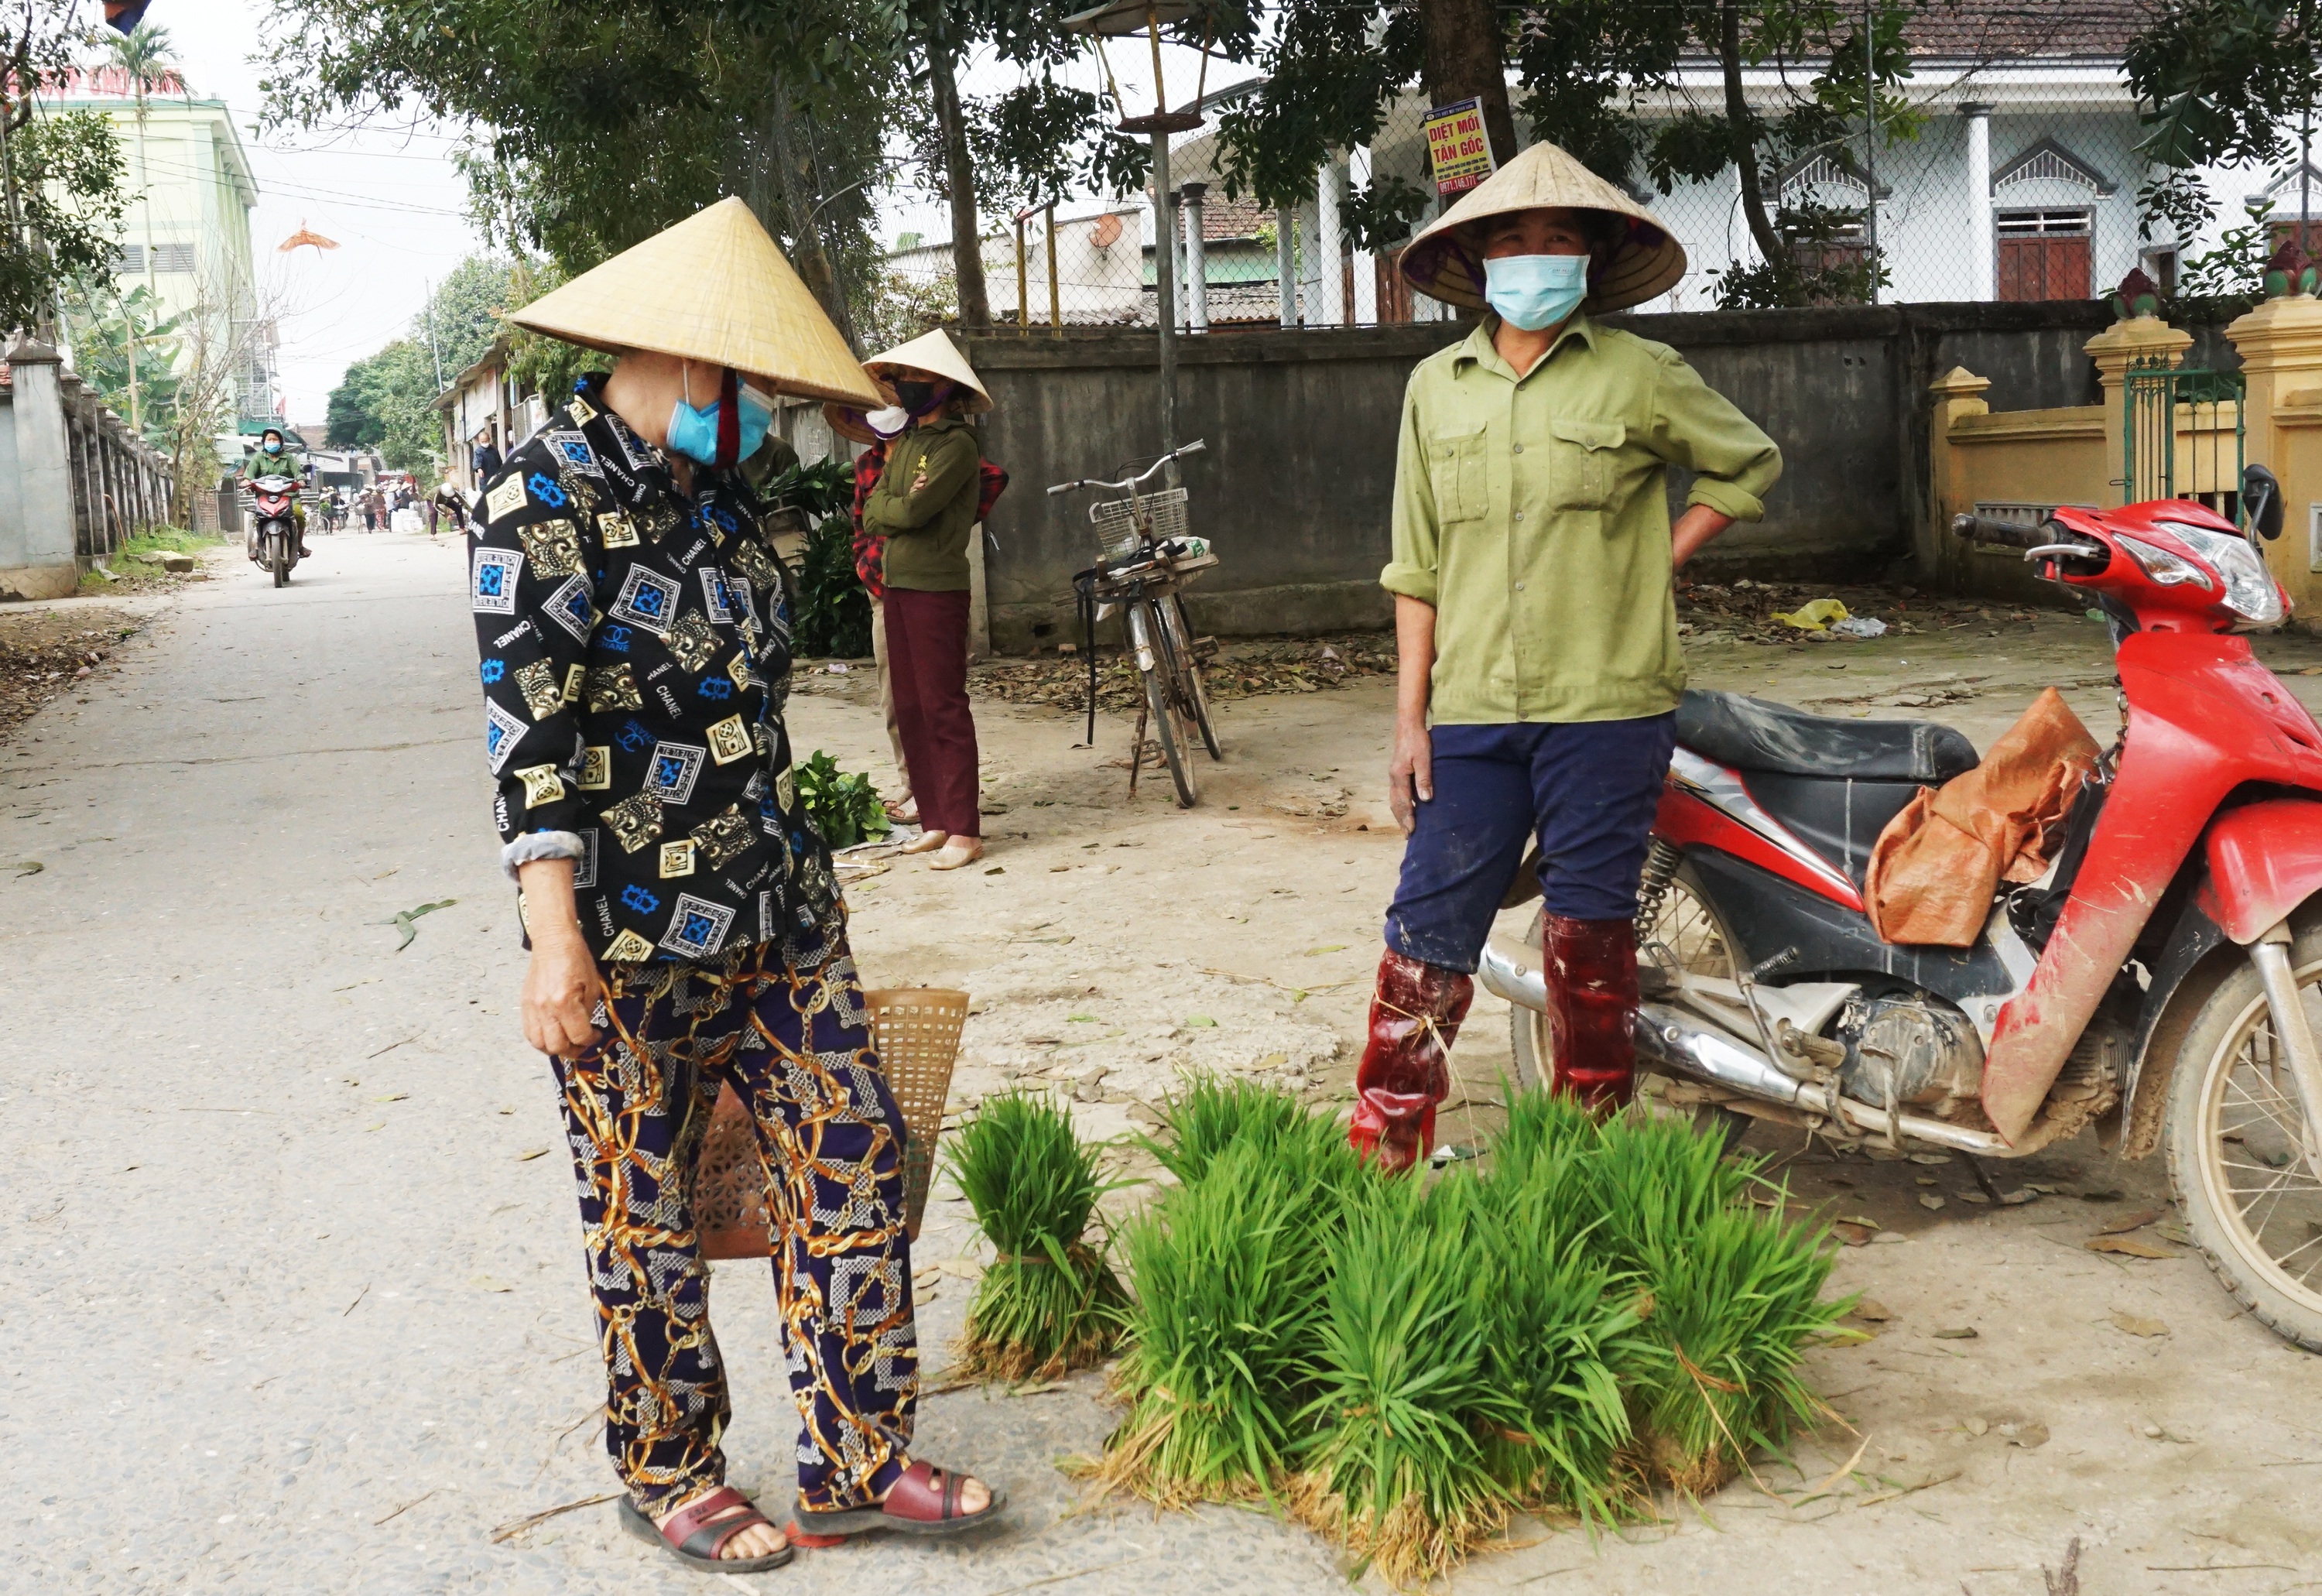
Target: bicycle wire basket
(1117, 531)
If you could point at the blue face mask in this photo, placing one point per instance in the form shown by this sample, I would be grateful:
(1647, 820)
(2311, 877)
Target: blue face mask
(272, 445)
(693, 433)
(1535, 291)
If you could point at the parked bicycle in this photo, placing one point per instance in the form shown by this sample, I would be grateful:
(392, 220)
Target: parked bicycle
(1147, 556)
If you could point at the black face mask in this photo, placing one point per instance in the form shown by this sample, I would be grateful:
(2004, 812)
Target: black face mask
(915, 395)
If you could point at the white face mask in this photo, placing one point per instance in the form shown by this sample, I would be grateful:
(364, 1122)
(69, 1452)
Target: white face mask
(887, 423)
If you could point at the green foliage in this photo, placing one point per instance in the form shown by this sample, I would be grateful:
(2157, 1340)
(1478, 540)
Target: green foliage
(834, 611)
(462, 313)
(1049, 1301)
(844, 806)
(383, 403)
(109, 328)
(1592, 76)
(2223, 83)
(63, 180)
(2231, 277)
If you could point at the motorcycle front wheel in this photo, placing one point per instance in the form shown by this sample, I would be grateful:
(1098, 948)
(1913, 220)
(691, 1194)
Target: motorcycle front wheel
(278, 554)
(2236, 1134)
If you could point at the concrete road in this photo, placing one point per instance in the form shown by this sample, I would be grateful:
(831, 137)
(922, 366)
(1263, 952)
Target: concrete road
(294, 1300)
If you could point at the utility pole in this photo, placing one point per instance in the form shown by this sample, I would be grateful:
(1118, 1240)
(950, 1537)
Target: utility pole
(428, 314)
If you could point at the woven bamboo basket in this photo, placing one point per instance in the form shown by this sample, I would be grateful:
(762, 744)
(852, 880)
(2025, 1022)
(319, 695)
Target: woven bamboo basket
(916, 1032)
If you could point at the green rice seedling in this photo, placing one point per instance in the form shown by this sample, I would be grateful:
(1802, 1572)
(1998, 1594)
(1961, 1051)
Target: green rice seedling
(1049, 1301)
(1563, 1336)
(1229, 1272)
(1654, 1180)
(1541, 1125)
(1398, 1465)
(1735, 1300)
(1212, 1114)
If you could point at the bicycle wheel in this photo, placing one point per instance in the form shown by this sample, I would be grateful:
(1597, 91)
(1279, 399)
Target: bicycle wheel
(1190, 693)
(1157, 660)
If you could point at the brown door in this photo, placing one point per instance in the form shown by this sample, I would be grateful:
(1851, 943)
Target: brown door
(1394, 289)
(2037, 267)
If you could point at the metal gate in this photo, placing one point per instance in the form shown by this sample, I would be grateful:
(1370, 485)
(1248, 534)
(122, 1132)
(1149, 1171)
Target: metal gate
(2161, 403)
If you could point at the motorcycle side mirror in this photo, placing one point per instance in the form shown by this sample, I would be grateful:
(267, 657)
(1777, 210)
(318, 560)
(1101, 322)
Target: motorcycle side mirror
(2261, 501)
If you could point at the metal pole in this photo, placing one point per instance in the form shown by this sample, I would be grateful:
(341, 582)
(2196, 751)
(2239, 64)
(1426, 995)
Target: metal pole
(1023, 287)
(1870, 146)
(2305, 177)
(427, 312)
(1056, 296)
(1285, 261)
(1164, 297)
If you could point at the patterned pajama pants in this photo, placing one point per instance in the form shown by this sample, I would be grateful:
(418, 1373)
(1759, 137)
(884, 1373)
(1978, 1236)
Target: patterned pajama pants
(791, 1033)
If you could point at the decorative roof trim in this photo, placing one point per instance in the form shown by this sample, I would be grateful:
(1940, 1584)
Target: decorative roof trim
(2049, 162)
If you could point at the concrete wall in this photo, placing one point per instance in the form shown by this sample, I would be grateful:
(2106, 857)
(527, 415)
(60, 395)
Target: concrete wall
(1300, 427)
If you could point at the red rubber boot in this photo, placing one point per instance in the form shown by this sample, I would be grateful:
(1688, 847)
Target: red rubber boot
(1592, 996)
(1415, 1013)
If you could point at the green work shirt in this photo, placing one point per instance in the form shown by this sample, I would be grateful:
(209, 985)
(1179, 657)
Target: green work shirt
(1532, 513)
(925, 506)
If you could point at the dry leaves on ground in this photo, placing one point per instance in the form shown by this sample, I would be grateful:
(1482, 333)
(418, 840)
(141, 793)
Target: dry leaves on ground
(43, 654)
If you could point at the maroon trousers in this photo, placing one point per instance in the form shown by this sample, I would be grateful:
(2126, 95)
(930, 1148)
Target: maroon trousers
(926, 659)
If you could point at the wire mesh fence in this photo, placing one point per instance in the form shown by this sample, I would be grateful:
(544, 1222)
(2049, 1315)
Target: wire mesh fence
(2009, 179)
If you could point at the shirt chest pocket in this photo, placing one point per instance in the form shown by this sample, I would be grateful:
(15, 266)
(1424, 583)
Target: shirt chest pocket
(1582, 461)
(1457, 470)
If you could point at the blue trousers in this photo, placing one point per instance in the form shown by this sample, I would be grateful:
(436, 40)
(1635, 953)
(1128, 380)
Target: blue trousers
(1588, 789)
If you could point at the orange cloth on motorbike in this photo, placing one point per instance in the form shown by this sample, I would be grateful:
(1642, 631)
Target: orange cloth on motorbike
(1937, 865)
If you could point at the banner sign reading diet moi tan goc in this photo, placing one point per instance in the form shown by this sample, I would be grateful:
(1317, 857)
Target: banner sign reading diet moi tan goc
(1458, 149)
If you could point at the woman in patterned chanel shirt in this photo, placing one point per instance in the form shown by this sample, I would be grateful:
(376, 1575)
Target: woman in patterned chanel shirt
(685, 929)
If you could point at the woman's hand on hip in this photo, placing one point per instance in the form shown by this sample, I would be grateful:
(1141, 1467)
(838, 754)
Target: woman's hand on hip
(1410, 774)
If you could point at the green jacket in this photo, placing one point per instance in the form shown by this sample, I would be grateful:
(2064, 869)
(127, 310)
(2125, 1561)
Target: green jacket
(925, 506)
(1532, 513)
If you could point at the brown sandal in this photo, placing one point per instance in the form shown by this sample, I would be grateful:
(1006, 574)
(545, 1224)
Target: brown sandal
(924, 1501)
(695, 1535)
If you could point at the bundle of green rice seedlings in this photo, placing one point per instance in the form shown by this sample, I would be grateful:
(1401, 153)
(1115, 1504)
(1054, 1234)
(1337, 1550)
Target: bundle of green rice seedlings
(1542, 1125)
(1049, 1301)
(1564, 1338)
(1655, 1180)
(1229, 1271)
(1398, 1466)
(1736, 1297)
(1212, 1114)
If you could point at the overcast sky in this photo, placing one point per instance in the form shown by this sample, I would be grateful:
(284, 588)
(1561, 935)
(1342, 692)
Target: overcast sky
(392, 199)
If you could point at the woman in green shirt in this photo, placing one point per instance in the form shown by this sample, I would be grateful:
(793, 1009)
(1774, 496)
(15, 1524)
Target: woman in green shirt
(925, 507)
(1535, 624)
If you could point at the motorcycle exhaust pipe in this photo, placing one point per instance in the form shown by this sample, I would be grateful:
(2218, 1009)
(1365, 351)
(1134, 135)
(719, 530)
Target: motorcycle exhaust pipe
(1683, 1045)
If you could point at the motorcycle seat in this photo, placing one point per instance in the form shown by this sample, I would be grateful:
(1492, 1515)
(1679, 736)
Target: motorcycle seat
(1751, 735)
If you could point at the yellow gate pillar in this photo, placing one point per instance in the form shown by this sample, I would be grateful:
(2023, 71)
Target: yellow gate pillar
(2281, 345)
(2135, 340)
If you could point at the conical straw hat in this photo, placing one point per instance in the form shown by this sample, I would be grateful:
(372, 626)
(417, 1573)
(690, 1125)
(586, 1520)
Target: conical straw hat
(713, 288)
(932, 351)
(1443, 263)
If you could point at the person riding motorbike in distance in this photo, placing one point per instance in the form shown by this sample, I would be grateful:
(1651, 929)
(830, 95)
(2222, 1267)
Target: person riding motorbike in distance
(273, 458)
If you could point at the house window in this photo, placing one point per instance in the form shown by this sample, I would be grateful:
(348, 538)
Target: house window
(129, 261)
(173, 258)
(2044, 254)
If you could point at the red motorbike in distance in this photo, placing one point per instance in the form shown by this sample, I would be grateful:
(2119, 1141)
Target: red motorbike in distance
(2163, 984)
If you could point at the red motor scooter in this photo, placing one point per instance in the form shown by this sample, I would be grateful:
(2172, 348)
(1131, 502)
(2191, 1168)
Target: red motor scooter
(2163, 984)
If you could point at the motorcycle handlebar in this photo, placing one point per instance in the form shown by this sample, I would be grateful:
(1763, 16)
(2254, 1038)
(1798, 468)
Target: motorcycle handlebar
(2008, 534)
